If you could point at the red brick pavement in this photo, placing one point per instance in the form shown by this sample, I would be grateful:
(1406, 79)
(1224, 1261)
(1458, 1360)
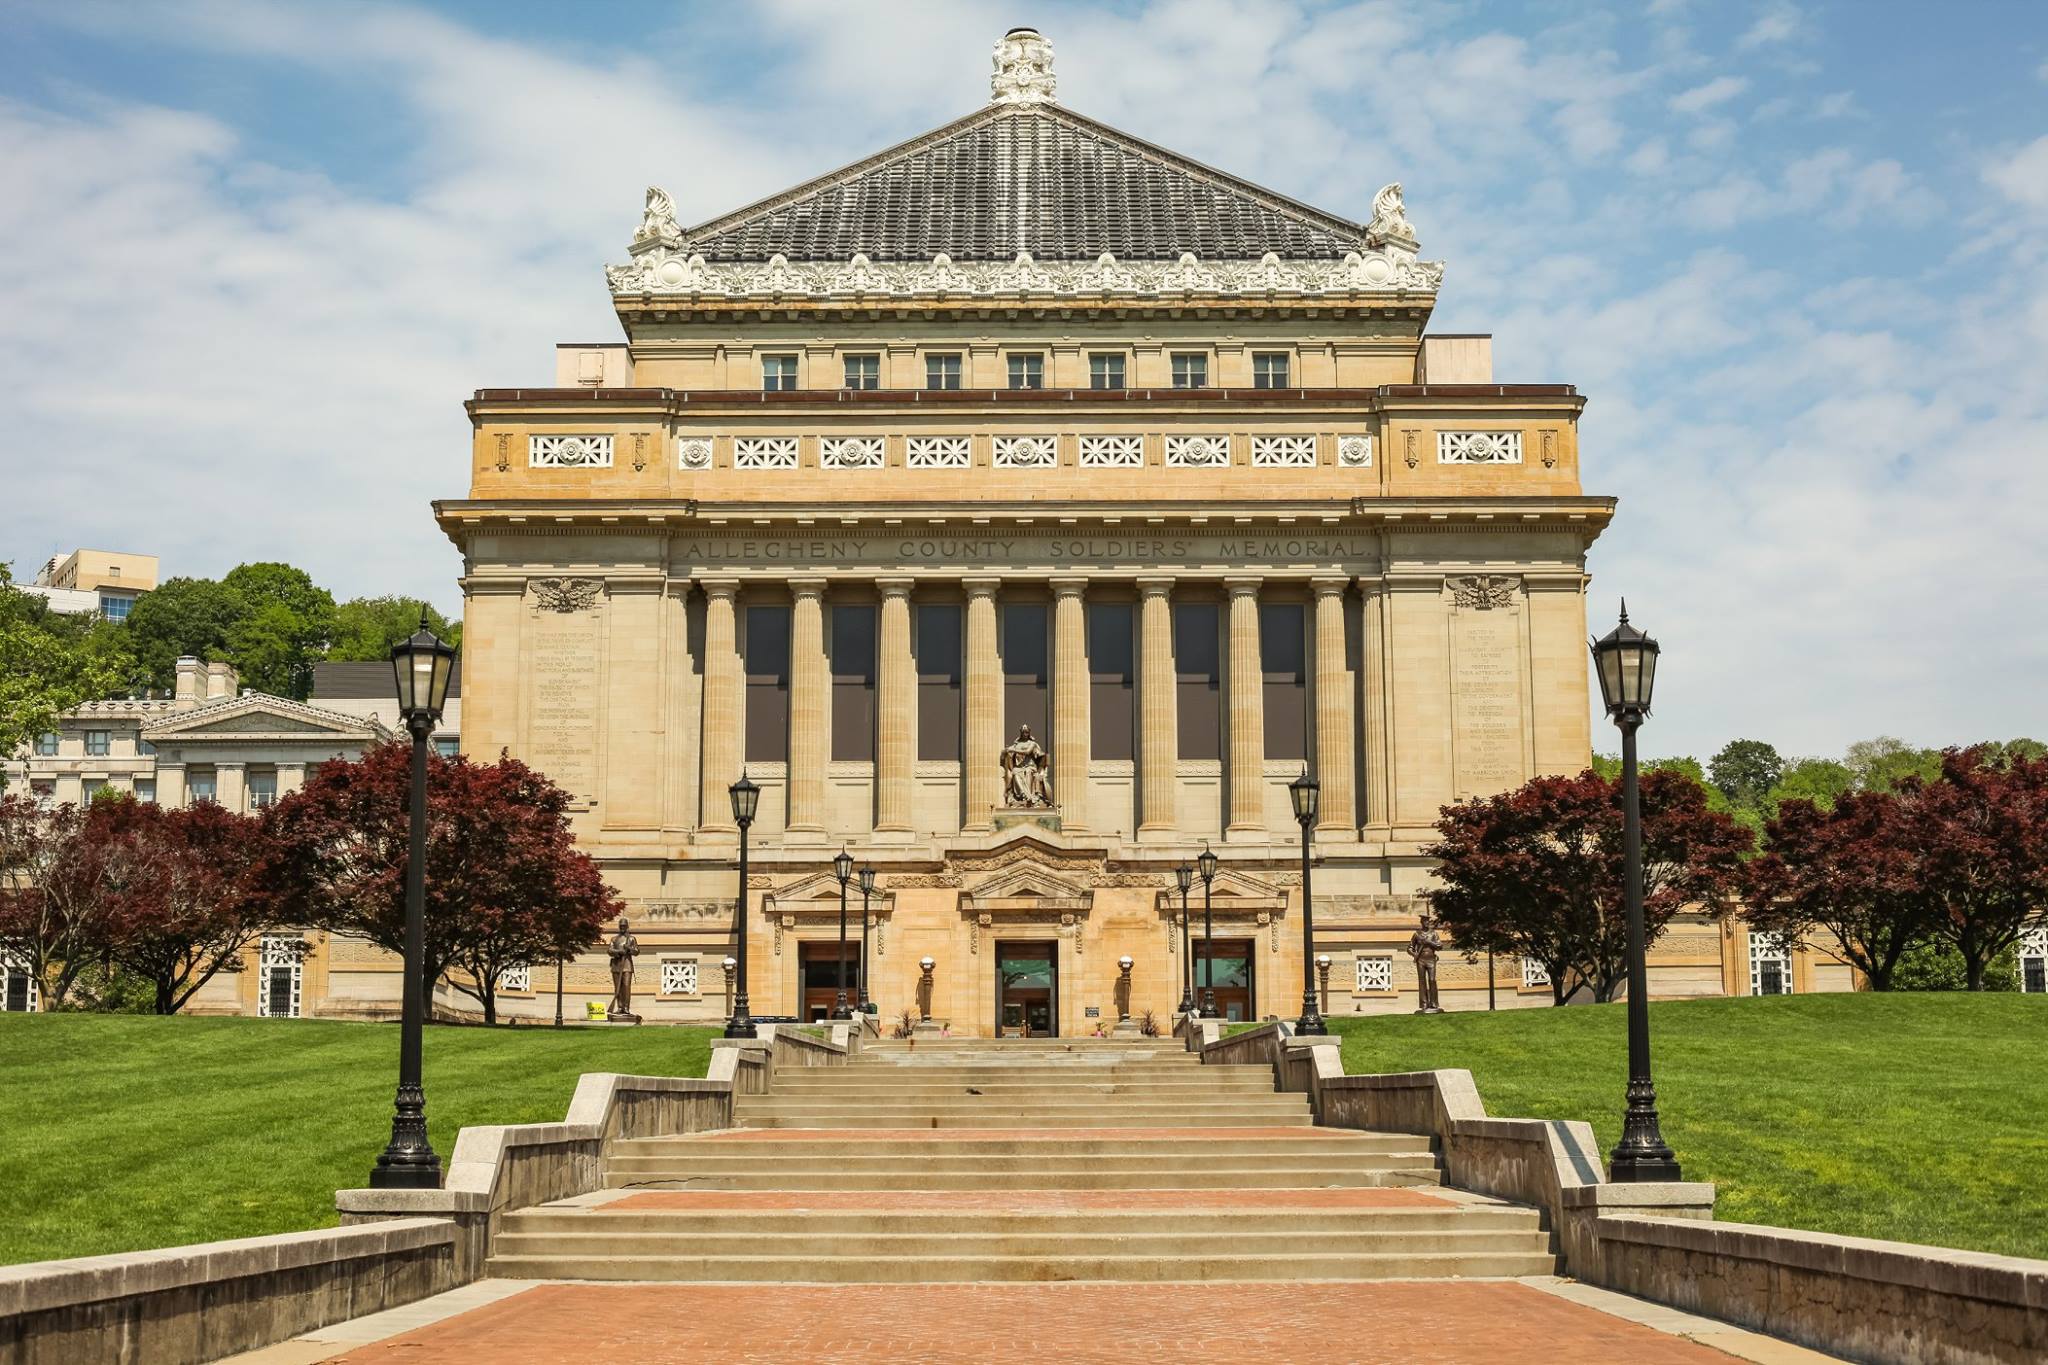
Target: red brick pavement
(1446, 1322)
(1023, 1201)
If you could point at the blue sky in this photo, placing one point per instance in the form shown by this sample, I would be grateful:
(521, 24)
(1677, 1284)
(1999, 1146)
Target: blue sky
(253, 257)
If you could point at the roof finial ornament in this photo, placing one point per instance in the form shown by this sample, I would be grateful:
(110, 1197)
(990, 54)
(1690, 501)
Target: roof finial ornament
(1390, 220)
(1023, 69)
(658, 226)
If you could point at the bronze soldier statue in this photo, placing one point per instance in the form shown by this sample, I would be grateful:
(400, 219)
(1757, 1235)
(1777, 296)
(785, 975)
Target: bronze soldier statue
(624, 947)
(1423, 946)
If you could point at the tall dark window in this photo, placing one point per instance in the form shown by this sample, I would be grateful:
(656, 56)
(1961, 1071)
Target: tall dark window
(937, 651)
(767, 665)
(1283, 661)
(1105, 370)
(1269, 370)
(1198, 678)
(942, 371)
(1112, 694)
(1027, 370)
(863, 372)
(852, 658)
(778, 372)
(1026, 655)
(1190, 370)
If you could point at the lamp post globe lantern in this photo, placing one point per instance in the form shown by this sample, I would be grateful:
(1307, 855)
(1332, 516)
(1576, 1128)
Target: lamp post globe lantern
(746, 799)
(1306, 794)
(867, 890)
(1323, 979)
(1205, 867)
(924, 987)
(1184, 876)
(842, 868)
(1625, 661)
(420, 667)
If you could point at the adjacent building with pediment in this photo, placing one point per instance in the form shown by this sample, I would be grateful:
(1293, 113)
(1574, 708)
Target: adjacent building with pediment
(1029, 422)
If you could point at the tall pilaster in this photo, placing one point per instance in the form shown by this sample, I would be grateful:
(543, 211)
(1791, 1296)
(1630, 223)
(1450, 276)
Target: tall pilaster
(896, 688)
(1070, 700)
(1246, 777)
(1158, 726)
(1379, 811)
(724, 700)
(983, 739)
(1334, 755)
(808, 683)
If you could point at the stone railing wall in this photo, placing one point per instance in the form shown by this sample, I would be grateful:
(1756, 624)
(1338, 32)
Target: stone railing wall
(1855, 1297)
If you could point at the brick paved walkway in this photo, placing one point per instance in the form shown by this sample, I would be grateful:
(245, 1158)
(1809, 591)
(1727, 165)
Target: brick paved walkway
(1447, 1322)
(1023, 1201)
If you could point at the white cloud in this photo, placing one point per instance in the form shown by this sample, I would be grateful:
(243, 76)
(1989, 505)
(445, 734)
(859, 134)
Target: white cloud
(1715, 92)
(2023, 176)
(1778, 24)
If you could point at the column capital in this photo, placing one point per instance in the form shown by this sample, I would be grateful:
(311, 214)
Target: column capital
(981, 587)
(1329, 585)
(806, 587)
(678, 586)
(1244, 587)
(896, 587)
(1069, 585)
(715, 588)
(1156, 587)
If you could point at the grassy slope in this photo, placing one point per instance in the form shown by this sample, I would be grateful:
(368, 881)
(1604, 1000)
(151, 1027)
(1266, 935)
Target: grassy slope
(122, 1132)
(1919, 1118)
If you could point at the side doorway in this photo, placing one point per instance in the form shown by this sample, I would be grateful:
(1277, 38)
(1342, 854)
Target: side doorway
(1226, 967)
(819, 965)
(1027, 990)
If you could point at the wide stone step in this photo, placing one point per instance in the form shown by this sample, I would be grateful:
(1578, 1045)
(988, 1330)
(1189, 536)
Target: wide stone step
(1085, 1091)
(1219, 1148)
(1043, 1245)
(1213, 1221)
(1101, 1117)
(1038, 1099)
(1217, 1264)
(1362, 1175)
(906, 1158)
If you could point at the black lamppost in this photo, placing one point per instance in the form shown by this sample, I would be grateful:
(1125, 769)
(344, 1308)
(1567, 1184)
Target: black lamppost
(1625, 660)
(746, 799)
(558, 990)
(421, 666)
(1185, 875)
(867, 889)
(1306, 794)
(1206, 866)
(842, 868)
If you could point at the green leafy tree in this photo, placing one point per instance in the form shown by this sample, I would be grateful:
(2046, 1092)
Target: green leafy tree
(50, 662)
(1881, 764)
(365, 628)
(1745, 770)
(195, 616)
(287, 622)
(1819, 780)
(1932, 964)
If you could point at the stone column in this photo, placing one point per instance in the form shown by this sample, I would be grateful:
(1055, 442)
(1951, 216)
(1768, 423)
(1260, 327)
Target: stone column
(291, 777)
(808, 684)
(1070, 702)
(1379, 816)
(1334, 757)
(724, 706)
(896, 696)
(983, 738)
(1246, 775)
(231, 786)
(1158, 723)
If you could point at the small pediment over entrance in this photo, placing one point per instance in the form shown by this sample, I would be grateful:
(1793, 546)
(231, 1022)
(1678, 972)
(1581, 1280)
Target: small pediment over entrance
(1034, 882)
(818, 894)
(1234, 892)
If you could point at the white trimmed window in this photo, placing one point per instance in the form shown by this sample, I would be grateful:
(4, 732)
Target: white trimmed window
(569, 452)
(1534, 974)
(1284, 452)
(99, 743)
(764, 452)
(1026, 452)
(936, 452)
(1770, 966)
(2034, 960)
(1479, 447)
(282, 971)
(1197, 452)
(1375, 973)
(1112, 452)
(679, 976)
(46, 745)
(19, 992)
(850, 452)
(262, 789)
(518, 978)
(1269, 370)
(778, 373)
(1190, 370)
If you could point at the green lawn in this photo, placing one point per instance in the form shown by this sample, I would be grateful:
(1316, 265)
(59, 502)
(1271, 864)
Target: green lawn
(1919, 1118)
(123, 1132)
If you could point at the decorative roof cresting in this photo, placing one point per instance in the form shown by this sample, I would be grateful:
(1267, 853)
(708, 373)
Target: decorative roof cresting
(1023, 73)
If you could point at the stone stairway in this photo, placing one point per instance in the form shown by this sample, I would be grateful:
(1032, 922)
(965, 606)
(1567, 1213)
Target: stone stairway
(964, 1160)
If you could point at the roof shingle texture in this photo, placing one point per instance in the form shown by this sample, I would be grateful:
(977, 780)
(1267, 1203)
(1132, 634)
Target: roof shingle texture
(1040, 180)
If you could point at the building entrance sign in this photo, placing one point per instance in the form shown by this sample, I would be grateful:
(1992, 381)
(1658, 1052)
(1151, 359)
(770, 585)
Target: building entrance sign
(1027, 990)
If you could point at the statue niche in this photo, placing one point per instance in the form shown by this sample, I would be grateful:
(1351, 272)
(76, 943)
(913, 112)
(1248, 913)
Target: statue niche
(1027, 773)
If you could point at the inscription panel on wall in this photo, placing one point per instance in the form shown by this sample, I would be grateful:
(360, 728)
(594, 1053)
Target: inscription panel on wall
(862, 551)
(563, 643)
(1486, 686)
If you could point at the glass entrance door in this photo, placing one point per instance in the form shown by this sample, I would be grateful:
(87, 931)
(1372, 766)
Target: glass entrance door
(1226, 967)
(1027, 990)
(820, 965)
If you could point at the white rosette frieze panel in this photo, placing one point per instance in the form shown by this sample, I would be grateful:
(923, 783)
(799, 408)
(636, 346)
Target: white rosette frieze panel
(1026, 452)
(764, 452)
(1197, 452)
(850, 452)
(569, 452)
(1284, 452)
(1112, 452)
(936, 452)
(1354, 452)
(694, 452)
(1479, 447)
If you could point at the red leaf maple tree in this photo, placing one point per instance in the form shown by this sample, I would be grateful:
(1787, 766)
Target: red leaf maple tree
(1537, 871)
(197, 900)
(1851, 870)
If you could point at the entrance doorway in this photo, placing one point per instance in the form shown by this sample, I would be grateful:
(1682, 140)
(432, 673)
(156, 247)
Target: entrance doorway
(819, 963)
(1027, 990)
(1226, 966)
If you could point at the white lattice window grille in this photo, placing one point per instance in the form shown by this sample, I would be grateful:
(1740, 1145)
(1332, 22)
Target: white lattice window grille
(1354, 452)
(679, 976)
(1197, 452)
(1770, 966)
(936, 452)
(281, 972)
(850, 452)
(1534, 974)
(1284, 452)
(1479, 447)
(764, 452)
(519, 978)
(2034, 960)
(1112, 452)
(20, 993)
(1026, 452)
(569, 452)
(694, 452)
(1375, 973)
